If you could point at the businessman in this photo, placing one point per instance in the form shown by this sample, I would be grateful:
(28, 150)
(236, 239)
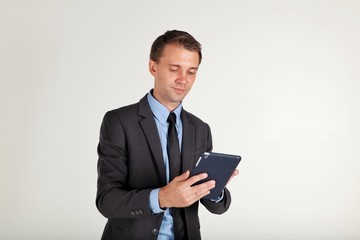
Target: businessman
(147, 149)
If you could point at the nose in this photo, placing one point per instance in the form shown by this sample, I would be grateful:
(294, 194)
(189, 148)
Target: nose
(181, 78)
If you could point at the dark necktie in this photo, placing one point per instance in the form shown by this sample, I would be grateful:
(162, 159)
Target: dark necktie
(173, 147)
(175, 166)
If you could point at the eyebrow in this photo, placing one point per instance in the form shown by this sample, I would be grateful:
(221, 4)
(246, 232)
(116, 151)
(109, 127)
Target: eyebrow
(177, 65)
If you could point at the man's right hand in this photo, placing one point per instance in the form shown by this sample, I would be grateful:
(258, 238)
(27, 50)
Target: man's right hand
(180, 192)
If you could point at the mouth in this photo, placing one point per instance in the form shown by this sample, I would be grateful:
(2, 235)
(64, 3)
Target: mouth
(179, 90)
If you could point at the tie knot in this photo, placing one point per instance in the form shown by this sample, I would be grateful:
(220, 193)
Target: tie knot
(172, 118)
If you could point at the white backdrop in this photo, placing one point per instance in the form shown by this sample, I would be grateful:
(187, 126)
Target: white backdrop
(279, 85)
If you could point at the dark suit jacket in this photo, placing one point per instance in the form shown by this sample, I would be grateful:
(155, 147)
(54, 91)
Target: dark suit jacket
(131, 164)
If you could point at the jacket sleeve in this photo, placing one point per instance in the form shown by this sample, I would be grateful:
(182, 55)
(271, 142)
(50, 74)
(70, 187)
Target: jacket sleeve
(114, 198)
(218, 207)
(223, 205)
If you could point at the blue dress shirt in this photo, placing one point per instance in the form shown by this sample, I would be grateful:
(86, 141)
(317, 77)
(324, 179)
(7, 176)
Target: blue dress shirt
(161, 113)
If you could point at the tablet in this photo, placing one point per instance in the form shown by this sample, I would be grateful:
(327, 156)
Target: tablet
(219, 167)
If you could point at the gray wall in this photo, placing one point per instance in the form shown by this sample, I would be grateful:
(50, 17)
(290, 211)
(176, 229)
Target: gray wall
(279, 85)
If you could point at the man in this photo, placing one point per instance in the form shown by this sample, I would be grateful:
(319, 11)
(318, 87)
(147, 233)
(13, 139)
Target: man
(139, 190)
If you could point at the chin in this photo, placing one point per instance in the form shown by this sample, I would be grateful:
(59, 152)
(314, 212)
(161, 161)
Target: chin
(179, 97)
(177, 100)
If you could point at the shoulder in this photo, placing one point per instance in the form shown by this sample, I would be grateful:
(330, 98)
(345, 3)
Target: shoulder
(187, 116)
(120, 115)
(123, 111)
(190, 119)
(129, 111)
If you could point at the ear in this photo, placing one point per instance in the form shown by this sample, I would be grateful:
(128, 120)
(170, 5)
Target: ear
(152, 67)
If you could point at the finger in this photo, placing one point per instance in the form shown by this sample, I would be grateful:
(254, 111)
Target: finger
(203, 189)
(183, 176)
(196, 178)
(235, 173)
(205, 186)
(199, 195)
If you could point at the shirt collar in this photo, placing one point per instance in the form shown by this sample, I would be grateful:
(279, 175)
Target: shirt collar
(160, 111)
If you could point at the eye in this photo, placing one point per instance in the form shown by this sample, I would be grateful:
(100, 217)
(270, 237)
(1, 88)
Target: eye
(173, 69)
(192, 71)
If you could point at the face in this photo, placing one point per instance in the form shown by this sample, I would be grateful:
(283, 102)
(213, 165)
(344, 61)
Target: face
(174, 74)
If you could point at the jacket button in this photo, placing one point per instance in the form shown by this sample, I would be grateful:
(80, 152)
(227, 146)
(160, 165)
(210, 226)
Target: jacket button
(155, 232)
(141, 211)
(133, 213)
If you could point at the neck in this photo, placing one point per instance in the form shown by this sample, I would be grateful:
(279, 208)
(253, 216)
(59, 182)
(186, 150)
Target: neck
(171, 106)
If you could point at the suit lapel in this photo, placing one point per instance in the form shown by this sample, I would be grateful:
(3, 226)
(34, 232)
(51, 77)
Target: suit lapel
(188, 142)
(149, 128)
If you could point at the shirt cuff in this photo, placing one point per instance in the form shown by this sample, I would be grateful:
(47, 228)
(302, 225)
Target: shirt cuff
(219, 198)
(154, 201)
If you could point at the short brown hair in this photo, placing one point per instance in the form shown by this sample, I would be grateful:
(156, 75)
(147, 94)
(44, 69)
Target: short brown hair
(181, 38)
